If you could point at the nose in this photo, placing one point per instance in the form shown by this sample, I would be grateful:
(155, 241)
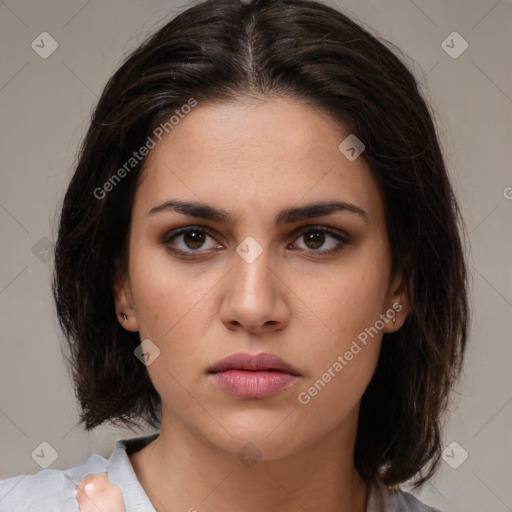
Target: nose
(255, 297)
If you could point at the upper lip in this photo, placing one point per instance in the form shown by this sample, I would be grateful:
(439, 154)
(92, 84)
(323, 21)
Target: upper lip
(254, 362)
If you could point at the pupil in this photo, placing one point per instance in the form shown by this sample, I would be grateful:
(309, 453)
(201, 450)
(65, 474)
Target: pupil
(196, 239)
(316, 238)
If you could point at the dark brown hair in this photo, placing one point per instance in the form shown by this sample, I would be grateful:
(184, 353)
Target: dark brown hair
(225, 50)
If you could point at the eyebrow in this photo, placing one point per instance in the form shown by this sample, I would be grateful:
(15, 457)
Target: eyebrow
(287, 215)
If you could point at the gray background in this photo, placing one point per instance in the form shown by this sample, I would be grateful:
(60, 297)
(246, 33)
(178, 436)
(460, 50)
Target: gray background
(46, 105)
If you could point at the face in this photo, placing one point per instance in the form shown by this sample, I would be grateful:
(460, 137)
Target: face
(259, 272)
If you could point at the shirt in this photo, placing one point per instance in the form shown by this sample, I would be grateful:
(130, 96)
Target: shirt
(54, 490)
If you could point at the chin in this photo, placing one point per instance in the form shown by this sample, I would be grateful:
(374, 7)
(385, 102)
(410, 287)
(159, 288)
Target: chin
(263, 435)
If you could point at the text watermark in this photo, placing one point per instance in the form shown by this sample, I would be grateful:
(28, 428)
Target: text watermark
(341, 361)
(138, 156)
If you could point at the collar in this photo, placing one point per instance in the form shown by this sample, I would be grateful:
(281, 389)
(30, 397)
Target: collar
(121, 473)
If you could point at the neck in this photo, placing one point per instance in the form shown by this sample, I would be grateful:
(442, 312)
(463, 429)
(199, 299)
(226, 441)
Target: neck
(179, 471)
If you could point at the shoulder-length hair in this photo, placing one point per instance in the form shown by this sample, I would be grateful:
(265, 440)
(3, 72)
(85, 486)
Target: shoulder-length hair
(224, 50)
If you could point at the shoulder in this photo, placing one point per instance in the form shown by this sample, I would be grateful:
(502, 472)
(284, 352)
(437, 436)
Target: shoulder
(409, 503)
(49, 489)
(385, 499)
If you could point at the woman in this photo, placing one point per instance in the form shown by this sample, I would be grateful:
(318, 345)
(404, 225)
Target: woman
(260, 255)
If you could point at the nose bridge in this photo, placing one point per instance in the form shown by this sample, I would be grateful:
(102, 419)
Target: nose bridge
(251, 272)
(253, 299)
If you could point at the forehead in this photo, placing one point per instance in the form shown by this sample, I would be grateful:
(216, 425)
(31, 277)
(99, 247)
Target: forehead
(257, 155)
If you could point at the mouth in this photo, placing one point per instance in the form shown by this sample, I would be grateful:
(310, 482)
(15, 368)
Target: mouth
(244, 361)
(253, 376)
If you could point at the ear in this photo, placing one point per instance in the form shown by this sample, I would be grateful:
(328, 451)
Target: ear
(398, 305)
(123, 299)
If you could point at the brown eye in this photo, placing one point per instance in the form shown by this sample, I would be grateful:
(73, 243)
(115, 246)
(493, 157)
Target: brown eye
(316, 237)
(189, 241)
(194, 239)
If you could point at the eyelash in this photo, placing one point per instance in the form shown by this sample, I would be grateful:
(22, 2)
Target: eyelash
(194, 254)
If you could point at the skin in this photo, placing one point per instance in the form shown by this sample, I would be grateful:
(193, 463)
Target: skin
(97, 494)
(253, 159)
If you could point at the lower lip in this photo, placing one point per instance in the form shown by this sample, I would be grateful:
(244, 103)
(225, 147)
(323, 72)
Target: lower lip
(253, 384)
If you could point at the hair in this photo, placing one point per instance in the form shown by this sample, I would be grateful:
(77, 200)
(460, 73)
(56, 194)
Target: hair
(226, 50)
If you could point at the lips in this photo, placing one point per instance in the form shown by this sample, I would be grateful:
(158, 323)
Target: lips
(253, 362)
(253, 376)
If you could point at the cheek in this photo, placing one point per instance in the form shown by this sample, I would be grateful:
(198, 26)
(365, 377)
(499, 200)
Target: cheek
(347, 313)
(171, 305)
(168, 294)
(333, 402)
(168, 314)
(349, 300)
(338, 379)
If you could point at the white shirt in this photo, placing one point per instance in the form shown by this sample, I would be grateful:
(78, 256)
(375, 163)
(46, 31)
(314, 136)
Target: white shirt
(54, 490)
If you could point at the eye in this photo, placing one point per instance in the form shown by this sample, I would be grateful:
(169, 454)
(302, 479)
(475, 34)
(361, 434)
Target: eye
(317, 236)
(188, 240)
(191, 241)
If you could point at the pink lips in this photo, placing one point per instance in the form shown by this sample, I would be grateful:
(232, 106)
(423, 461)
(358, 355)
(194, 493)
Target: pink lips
(253, 375)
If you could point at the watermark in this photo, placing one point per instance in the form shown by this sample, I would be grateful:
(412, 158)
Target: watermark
(147, 352)
(507, 192)
(43, 249)
(249, 250)
(44, 45)
(351, 147)
(454, 45)
(249, 455)
(138, 156)
(341, 361)
(454, 455)
(45, 455)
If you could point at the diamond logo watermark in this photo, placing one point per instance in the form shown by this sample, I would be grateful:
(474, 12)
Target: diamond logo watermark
(249, 249)
(147, 352)
(454, 455)
(249, 455)
(44, 45)
(351, 147)
(454, 45)
(43, 249)
(45, 455)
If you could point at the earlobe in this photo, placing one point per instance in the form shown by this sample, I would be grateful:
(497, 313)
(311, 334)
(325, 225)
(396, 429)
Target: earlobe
(398, 305)
(398, 313)
(124, 303)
